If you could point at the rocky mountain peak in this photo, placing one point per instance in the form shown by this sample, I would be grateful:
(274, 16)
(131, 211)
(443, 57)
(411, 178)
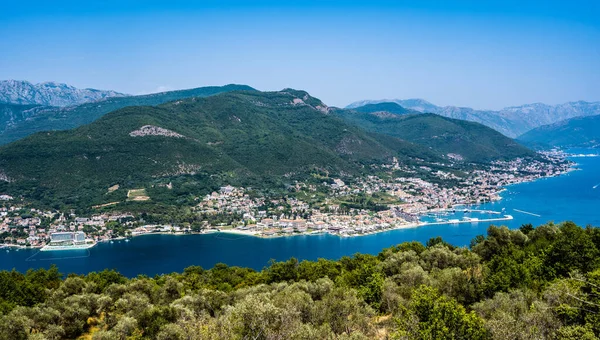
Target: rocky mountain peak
(49, 93)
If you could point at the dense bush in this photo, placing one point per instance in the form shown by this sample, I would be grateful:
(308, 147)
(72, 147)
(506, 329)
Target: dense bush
(533, 283)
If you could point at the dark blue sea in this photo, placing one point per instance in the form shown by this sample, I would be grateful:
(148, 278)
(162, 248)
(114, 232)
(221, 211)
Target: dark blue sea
(570, 197)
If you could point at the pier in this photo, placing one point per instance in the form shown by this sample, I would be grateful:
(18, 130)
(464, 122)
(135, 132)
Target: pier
(505, 218)
(528, 213)
(463, 209)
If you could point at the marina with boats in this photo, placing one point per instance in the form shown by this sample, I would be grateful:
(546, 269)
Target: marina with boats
(462, 214)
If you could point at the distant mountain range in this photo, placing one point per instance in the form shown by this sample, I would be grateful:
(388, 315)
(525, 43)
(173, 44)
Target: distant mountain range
(511, 121)
(26, 108)
(18, 121)
(574, 132)
(49, 93)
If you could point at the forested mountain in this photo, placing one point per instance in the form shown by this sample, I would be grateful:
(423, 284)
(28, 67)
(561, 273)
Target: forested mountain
(12, 114)
(511, 121)
(49, 93)
(64, 118)
(574, 132)
(532, 283)
(383, 108)
(247, 137)
(461, 139)
(420, 105)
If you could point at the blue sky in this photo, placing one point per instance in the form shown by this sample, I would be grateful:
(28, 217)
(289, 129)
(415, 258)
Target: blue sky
(482, 54)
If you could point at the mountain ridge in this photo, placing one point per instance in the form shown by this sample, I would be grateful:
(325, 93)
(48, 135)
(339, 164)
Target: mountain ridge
(12, 114)
(460, 139)
(241, 137)
(573, 132)
(385, 107)
(50, 93)
(63, 118)
(512, 121)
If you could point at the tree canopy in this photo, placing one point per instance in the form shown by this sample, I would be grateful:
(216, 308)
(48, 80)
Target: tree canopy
(530, 283)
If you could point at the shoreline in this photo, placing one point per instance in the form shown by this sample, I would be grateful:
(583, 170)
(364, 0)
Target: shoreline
(258, 234)
(411, 225)
(400, 227)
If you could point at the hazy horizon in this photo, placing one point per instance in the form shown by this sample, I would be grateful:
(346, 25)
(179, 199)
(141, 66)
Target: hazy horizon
(460, 53)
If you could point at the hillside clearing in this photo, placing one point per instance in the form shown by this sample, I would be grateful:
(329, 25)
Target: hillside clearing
(137, 195)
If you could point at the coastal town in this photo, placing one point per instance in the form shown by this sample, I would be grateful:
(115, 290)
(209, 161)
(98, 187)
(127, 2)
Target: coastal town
(367, 205)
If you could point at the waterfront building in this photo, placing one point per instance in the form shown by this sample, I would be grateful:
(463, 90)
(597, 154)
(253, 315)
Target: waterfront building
(68, 240)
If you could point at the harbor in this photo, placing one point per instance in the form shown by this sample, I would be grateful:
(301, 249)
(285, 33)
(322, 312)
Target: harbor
(460, 213)
(471, 220)
(452, 217)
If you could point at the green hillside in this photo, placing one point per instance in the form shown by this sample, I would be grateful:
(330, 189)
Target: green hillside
(574, 132)
(474, 142)
(384, 107)
(55, 118)
(13, 114)
(250, 138)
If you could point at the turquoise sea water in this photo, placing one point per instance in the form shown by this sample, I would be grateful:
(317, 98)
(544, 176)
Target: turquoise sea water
(569, 197)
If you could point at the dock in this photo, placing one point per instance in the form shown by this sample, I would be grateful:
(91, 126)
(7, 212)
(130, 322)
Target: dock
(528, 213)
(505, 218)
(468, 210)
